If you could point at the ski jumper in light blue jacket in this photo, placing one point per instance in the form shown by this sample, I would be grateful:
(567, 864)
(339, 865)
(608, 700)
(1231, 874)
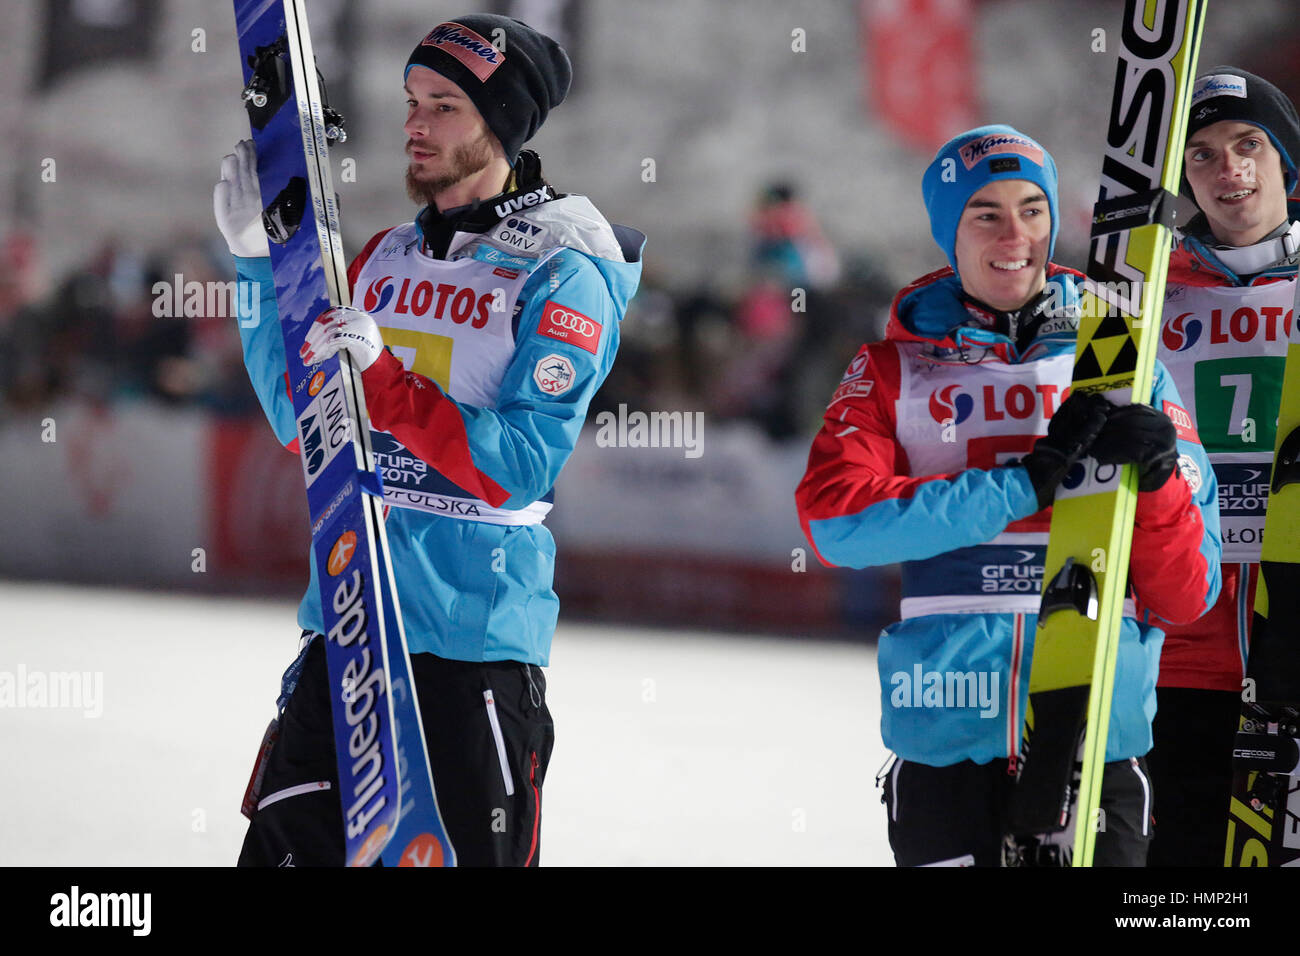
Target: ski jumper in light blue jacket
(505, 340)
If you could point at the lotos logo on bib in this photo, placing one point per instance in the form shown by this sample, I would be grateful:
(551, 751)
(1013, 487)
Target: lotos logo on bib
(949, 404)
(378, 294)
(570, 325)
(442, 300)
(1180, 334)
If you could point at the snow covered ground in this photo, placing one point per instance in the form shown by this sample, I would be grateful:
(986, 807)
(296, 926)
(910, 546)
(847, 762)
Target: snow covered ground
(672, 747)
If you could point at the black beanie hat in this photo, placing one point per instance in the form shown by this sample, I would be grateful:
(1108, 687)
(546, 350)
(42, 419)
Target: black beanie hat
(513, 87)
(1228, 93)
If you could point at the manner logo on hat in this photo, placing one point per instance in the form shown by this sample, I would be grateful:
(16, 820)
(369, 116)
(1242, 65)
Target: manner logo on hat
(479, 56)
(1221, 84)
(977, 149)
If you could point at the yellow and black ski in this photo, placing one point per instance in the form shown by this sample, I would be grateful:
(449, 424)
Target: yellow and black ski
(1073, 662)
(1264, 807)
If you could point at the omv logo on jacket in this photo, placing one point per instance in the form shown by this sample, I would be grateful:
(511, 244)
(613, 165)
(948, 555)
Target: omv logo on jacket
(378, 294)
(949, 402)
(1181, 333)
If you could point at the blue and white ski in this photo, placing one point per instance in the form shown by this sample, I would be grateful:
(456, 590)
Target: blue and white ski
(390, 810)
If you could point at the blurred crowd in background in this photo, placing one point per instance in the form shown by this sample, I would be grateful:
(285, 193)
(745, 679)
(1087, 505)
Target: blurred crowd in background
(769, 352)
(773, 160)
(92, 334)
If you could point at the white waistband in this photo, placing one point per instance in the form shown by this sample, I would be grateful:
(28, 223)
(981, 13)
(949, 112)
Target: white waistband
(466, 509)
(981, 604)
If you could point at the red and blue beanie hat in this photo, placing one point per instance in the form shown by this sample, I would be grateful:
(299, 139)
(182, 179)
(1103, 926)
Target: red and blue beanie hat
(969, 162)
(510, 72)
(1227, 93)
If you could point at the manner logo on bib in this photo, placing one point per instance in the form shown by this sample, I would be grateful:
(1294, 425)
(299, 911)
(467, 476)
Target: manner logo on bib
(569, 325)
(554, 374)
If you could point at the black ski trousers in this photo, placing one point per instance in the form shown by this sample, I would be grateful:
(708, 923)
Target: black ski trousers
(487, 773)
(1191, 767)
(952, 816)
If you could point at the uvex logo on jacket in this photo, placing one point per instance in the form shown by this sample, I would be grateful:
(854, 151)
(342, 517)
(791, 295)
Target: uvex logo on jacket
(446, 300)
(539, 195)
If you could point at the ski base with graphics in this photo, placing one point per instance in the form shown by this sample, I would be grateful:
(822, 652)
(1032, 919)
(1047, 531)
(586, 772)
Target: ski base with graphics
(390, 811)
(1264, 806)
(1086, 569)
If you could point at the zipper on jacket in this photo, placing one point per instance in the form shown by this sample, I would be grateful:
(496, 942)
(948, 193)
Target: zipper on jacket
(1014, 720)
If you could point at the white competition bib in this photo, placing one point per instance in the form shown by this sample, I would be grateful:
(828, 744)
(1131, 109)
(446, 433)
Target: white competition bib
(1225, 348)
(452, 322)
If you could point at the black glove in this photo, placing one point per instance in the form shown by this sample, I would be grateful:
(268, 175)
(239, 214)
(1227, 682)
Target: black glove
(1141, 436)
(1070, 434)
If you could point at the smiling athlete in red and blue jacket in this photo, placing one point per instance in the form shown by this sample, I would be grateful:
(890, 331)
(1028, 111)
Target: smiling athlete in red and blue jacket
(942, 449)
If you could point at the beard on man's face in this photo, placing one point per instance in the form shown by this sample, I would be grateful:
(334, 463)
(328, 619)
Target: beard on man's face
(465, 160)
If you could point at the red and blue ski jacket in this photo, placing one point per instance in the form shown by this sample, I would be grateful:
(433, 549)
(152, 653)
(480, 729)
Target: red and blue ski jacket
(1222, 331)
(914, 465)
